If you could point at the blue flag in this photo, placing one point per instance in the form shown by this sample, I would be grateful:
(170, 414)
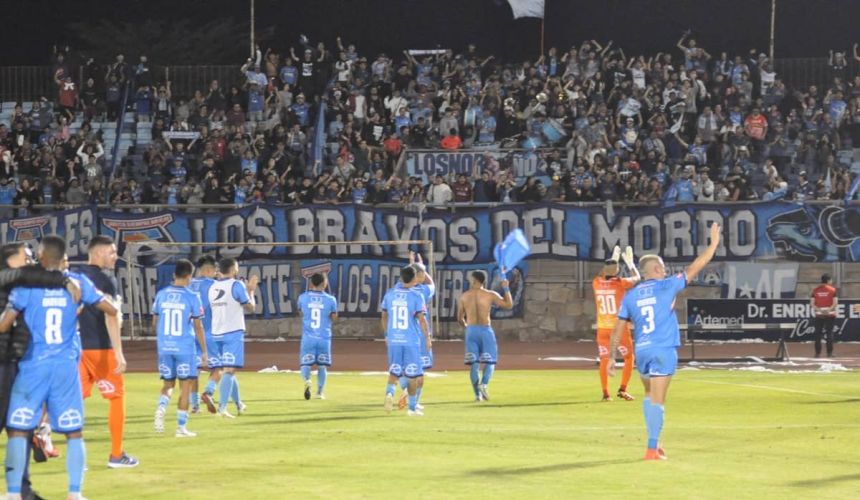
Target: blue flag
(512, 250)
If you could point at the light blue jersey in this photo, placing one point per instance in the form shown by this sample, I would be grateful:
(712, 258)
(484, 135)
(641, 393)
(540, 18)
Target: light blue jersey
(201, 286)
(177, 308)
(52, 316)
(650, 307)
(426, 291)
(403, 307)
(317, 309)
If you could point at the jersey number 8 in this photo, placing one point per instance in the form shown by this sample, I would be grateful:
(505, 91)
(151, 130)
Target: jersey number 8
(54, 326)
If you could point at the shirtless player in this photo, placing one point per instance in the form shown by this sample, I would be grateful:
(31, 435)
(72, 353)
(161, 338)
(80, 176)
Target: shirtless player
(474, 310)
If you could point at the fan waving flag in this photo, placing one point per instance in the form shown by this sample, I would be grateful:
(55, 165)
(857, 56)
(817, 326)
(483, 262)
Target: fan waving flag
(527, 8)
(510, 252)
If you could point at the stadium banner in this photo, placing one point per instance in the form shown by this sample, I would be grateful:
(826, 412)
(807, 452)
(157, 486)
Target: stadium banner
(77, 226)
(358, 285)
(733, 314)
(759, 280)
(762, 231)
(522, 163)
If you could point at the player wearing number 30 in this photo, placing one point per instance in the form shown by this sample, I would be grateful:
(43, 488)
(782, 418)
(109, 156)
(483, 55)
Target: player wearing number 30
(177, 314)
(318, 310)
(48, 372)
(609, 290)
(650, 307)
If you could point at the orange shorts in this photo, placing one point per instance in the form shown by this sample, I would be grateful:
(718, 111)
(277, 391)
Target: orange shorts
(97, 367)
(604, 338)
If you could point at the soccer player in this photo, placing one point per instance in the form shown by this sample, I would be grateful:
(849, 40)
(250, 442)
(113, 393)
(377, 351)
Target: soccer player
(318, 310)
(176, 316)
(404, 321)
(48, 372)
(229, 298)
(206, 271)
(15, 271)
(102, 361)
(427, 289)
(609, 290)
(473, 312)
(650, 307)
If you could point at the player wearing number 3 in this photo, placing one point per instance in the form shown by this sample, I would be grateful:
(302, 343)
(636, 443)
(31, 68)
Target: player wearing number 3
(318, 310)
(650, 307)
(609, 290)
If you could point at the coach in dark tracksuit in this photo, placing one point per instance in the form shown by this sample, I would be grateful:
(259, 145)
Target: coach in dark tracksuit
(14, 271)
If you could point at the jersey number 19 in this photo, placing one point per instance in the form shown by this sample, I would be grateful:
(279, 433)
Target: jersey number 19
(400, 317)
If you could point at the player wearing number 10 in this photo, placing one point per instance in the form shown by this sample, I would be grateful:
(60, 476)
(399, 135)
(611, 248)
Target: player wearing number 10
(176, 315)
(318, 310)
(49, 369)
(650, 307)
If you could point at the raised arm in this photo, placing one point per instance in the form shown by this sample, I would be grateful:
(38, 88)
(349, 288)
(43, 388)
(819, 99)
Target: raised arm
(506, 301)
(628, 261)
(703, 260)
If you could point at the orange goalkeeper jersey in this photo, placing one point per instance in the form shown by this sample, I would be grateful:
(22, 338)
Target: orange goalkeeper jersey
(608, 293)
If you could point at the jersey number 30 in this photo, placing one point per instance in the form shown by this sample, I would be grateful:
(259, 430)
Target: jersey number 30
(648, 318)
(606, 304)
(54, 326)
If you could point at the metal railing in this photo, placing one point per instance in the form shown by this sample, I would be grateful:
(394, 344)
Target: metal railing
(28, 83)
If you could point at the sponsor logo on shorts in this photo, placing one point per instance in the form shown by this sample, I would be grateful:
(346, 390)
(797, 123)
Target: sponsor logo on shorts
(307, 358)
(21, 417)
(486, 357)
(165, 371)
(324, 359)
(183, 370)
(70, 419)
(470, 357)
(228, 358)
(623, 350)
(395, 369)
(214, 361)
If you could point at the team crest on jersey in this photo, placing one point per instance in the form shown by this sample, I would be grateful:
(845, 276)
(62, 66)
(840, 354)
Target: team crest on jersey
(105, 387)
(174, 298)
(70, 419)
(644, 291)
(21, 417)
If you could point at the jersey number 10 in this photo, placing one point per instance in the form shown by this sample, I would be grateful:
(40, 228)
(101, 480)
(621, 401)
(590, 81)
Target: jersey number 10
(173, 323)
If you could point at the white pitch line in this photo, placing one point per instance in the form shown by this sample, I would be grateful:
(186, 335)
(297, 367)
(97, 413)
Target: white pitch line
(772, 388)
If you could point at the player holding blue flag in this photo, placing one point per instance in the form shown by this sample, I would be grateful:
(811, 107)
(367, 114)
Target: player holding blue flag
(318, 310)
(473, 312)
(176, 316)
(404, 321)
(230, 298)
(49, 369)
(427, 288)
(650, 307)
(206, 272)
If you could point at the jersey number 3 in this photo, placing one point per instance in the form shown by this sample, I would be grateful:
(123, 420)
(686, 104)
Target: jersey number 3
(648, 318)
(54, 326)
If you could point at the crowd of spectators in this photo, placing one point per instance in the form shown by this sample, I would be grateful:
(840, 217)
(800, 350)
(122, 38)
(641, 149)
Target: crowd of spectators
(680, 126)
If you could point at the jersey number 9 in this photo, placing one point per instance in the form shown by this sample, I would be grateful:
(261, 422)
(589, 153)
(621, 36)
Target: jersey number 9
(316, 318)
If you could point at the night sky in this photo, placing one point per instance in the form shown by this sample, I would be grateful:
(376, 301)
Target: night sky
(804, 28)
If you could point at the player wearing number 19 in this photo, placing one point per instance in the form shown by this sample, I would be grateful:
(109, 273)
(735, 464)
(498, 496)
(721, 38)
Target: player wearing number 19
(404, 321)
(49, 369)
(318, 310)
(176, 315)
(650, 307)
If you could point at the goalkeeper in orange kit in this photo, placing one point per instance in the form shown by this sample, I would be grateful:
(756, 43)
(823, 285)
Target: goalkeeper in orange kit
(609, 289)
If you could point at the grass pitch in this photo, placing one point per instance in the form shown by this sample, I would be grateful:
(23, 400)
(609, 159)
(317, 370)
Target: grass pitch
(543, 435)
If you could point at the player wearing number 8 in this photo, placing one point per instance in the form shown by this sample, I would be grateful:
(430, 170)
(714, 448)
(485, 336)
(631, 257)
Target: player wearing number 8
(318, 310)
(49, 369)
(609, 290)
(650, 307)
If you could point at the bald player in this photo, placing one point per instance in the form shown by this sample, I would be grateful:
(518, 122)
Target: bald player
(650, 306)
(609, 290)
(473, 312)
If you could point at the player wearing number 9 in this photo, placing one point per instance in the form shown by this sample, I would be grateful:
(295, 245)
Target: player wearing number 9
(318, 310)
(650, 307)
